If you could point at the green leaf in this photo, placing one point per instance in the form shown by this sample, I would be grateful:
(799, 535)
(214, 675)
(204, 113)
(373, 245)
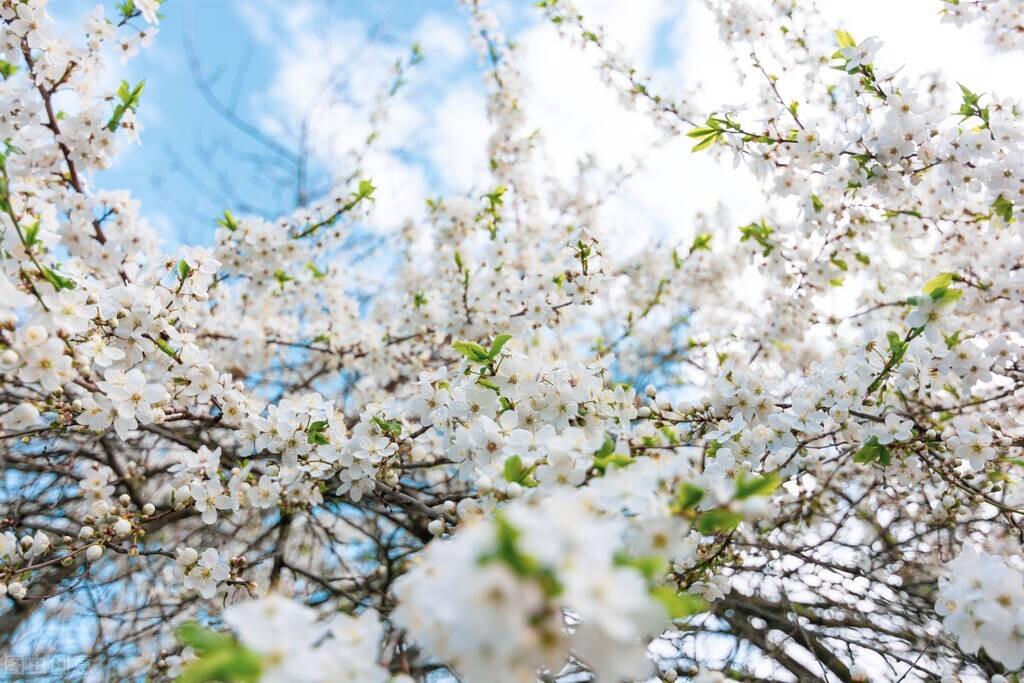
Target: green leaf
(844, 39)
(747, 487)
(498, 344)
(872, 451)
(688, 497)
(366, 189)
(228, 221)
(203, 639)
(56, 279)
(315, 433)
(32, 233)
(472, 351)
(947, 295)
(706, 142)
(651, 567)
(507, 551)
(513, 468)
(390, 427)
(164, 346)
(1003, 208)
(940, 281)
(183, 270)
(701, 132)
(701, 242)
(715, 521)
(602, 463)
(282, 278)
(238, 665)
(7, 69)
(515, 473)
(678, 605)
(760, 233)
(130, 98)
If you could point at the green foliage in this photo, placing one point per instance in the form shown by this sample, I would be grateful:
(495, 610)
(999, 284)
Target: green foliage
(606, 456)
(491, 214)
(872, 451)
(129, 99)
(228, 221)
(678, 605)
(471, 350)
(688, 497)
(221, 657)
(707, 135)
(56, 279)
(1003, 208)
(938, 288)
(476, 353)
(651, 567)
(844, 39)
(507, 551)
(701, 242)
(389, 427)
(282, 278)
(939, 282)
(166, 348)
(514, 472)
(970, 106)
(612, 460)
(366, 190)
(315, 433)
(32, 234)
(719, 520)
(747, 486)
(760, 233)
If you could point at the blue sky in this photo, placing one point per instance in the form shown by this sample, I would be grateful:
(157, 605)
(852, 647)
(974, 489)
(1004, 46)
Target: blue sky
(271, 63)
(264, 60)
(192, 163)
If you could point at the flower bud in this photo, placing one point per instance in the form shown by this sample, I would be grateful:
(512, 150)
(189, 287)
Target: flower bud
(122, 527)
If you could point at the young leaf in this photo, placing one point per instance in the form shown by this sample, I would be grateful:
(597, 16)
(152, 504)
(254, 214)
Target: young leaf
(497, 345)
(472, 351)
(747, 487)
(678, 605)
(940, 281)
(715, 521)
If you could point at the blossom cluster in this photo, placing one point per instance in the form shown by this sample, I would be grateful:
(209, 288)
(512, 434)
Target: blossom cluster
(980, 599)
(491, 601)
(458, 434)
(294, 644)
(1002, 20)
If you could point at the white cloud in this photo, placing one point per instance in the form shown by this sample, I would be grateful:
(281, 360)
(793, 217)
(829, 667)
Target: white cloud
(436, 136)
(441, 38)
(457, 140)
